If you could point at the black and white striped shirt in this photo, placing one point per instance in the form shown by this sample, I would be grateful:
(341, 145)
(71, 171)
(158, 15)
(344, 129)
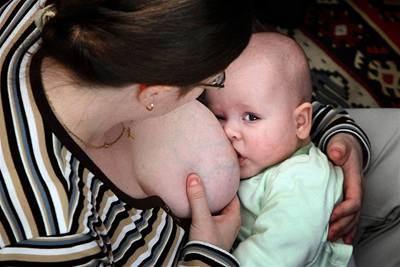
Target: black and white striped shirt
(56, 206)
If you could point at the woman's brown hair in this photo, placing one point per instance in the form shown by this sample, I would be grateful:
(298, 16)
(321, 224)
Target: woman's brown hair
(169, 42)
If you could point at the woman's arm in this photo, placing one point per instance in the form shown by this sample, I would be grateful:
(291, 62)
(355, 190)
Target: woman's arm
(347, 146)
(329, 121)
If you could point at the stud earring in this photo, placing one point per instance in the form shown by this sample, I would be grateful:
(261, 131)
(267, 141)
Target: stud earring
(150, 107)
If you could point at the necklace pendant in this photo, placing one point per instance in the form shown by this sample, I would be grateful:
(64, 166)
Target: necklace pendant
(130, 135)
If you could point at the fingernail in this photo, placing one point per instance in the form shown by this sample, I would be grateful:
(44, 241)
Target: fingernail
(193, 180)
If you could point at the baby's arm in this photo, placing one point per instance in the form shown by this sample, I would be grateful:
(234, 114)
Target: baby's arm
(187, 140)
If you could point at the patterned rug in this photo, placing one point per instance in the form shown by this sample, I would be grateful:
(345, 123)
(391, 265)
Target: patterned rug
(354, 51)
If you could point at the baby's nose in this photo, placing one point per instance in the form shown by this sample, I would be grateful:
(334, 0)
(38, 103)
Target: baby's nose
(231, 131)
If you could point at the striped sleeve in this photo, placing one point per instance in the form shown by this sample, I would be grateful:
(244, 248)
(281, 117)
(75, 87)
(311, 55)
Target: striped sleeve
(328, 121)
(197, 253)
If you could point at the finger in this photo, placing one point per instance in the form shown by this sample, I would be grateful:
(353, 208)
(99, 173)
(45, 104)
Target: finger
(337, 228)
(342, 233)
(352, 173)
(344, 209)
(349, 237)
(231, 214)
(233, 208)
(229, 222)
(342, 227)
(338, 150)
(352, 197)
(197, 199)
(348, 227)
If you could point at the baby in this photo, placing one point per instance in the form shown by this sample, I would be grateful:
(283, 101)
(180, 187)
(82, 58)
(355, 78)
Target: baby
(288, 186)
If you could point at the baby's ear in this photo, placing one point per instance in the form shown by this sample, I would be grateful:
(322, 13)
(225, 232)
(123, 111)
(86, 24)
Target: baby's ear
(303, 117)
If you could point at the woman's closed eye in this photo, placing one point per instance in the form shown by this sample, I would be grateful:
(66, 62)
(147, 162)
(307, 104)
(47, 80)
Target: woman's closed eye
(250, 117)
(219, 117)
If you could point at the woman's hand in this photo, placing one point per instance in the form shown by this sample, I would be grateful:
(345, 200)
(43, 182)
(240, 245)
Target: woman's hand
(220, 230)
(344, 150)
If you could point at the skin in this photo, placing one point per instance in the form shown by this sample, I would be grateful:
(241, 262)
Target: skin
(269, 120)
(343, 150)
(97, 116)
(217, 229)
(186, 140)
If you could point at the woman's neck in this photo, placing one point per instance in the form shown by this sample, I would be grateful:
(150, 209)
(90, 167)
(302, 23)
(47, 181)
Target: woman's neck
(92, 116)
(96, 116)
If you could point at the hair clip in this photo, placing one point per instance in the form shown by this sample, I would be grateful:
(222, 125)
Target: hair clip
(43, 15)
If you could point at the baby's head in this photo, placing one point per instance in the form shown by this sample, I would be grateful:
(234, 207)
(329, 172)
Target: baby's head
(265, 107)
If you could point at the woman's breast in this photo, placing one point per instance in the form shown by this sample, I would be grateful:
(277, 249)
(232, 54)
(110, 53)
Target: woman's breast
(189, 139)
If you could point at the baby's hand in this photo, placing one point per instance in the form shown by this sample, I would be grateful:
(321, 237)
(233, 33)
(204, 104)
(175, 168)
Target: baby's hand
(219, 230)
(345, 151)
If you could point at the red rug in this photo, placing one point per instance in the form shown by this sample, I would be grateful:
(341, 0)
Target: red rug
(354, 51)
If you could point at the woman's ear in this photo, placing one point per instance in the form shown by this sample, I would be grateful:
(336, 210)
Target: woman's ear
(303, 117)
(151, 96)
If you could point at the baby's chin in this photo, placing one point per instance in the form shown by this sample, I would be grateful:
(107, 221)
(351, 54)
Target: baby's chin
(244, 175)
(249, 169)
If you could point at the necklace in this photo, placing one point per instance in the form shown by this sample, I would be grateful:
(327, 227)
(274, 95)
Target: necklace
(125, 129)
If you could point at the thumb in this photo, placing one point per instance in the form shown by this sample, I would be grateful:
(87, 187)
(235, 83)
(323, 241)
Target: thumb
(337, 151)
(197, 199)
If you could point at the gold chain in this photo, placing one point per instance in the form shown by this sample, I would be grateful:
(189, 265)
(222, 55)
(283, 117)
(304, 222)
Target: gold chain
(106, 144)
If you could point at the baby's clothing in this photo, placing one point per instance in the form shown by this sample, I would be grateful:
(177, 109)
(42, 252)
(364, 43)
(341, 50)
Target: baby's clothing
(286, 210)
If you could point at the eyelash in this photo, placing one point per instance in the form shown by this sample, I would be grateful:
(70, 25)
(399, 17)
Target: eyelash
(251, 117)
(219, 117)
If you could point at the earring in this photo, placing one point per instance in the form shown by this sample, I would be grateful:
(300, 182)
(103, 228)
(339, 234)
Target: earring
(150, 107)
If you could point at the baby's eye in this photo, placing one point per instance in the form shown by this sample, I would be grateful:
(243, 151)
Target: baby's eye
(250, 117)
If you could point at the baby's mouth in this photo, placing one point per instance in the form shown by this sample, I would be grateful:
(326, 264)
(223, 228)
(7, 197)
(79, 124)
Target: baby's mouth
(240, 158)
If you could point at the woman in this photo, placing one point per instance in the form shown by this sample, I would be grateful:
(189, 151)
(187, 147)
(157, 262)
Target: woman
(72, 85)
